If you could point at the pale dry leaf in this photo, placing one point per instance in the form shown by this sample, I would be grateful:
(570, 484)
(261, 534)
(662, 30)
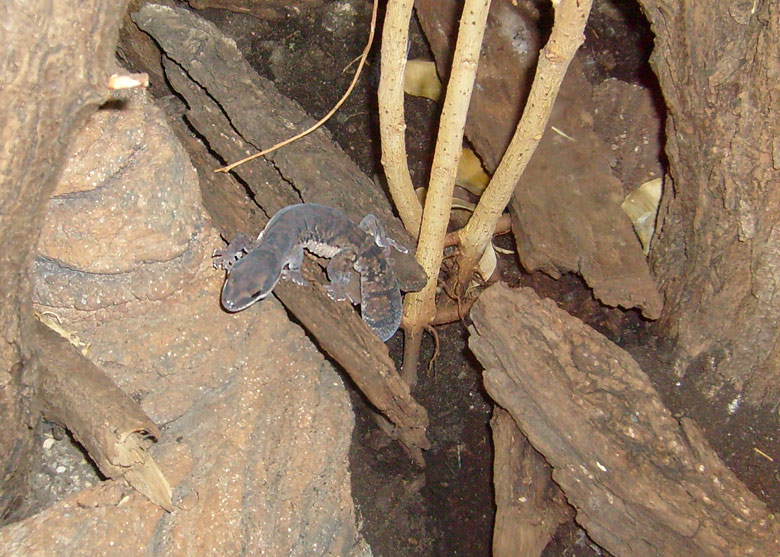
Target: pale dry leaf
(641, 206)
(421, 80)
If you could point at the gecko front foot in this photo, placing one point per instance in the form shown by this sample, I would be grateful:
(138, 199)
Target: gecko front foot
(235, 250)
(295, 276)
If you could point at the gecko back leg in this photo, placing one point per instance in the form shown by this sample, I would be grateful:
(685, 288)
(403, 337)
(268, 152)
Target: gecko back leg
(340, 274)
(371, 226)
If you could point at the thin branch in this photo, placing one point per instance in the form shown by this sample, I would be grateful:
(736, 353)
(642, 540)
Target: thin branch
(419, 307)
(566, 37)
(325, 118)
(503, 225)
(395, 35)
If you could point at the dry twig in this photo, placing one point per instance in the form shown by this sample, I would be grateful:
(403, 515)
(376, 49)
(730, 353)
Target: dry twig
(566, 37)
(395, 35)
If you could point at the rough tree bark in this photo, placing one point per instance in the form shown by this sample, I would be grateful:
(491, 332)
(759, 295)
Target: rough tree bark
(642, 483)
(53, 62)
(718, 255)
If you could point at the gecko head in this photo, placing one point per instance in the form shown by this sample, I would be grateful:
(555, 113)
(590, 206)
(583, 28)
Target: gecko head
(251, 278)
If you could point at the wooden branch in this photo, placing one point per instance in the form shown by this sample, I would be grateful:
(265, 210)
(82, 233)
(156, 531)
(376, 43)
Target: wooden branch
(642, 483)
(395, 36)
(529, 505)
(419, 307)
(110, 425)
(54, 59)
(566, 37)
(503, 225)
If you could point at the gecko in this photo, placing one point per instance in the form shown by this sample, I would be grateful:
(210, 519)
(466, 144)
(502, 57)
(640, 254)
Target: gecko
(254, 267)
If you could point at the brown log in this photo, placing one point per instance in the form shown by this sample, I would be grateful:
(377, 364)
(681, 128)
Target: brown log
(642, 483)
(315, 168)
(529, 505)
(718, 253)
(54, 59)
(109, 424)
(315, 164)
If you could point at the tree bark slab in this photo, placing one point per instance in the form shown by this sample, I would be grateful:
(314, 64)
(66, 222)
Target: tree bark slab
(717, 257)
(54, 60)
(235, 110)
(529, 505)
(642, 483)
(256, 424)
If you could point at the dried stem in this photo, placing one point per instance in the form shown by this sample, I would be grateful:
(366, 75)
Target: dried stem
(412, 342)
(503, 225)
(566, 37)
(419, 307)
(395, 35)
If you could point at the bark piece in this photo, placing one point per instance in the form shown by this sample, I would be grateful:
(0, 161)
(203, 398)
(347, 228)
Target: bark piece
(266, 9)
(566, 212)
(256, 424)
(718, 251)
(337, 327)
(529, 505)
(255, 444)
(642, 484)
(318, 170)
(104, 420)
(627, 119)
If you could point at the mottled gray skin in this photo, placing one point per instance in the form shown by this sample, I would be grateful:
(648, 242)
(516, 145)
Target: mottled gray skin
(278, 253)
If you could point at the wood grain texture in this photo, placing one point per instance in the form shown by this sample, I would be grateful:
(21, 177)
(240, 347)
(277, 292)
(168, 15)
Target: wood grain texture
(642, 483)
(718, 254)
(313, 169)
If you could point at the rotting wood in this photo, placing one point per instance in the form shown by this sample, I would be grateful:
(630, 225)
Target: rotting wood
(336, 326)
(529, 505)
(317, 170)
(110, 425)
(642, 483)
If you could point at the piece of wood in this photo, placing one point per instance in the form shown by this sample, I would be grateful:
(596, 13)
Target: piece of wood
(336, 326)
(717, 256)
(317, 170)
(109, 424)
(54, 59)
(642, 483)
(529, 505)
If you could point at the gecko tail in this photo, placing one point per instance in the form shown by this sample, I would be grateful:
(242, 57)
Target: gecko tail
(381, 306)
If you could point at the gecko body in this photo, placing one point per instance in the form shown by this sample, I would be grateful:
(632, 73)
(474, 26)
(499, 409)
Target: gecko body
(255, 267)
